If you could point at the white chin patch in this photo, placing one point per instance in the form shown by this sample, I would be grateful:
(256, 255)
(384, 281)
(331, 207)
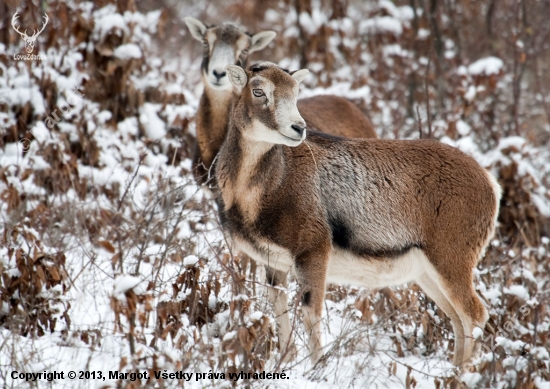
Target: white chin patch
(291, 142)
(222, 84)
(261, 133)
(290, 138)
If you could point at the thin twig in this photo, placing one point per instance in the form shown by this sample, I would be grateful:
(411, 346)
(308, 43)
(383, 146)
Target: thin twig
(428, 97)
(174, 157)
(141, 158)
(420, 130)
(311, 151)
(207, 183)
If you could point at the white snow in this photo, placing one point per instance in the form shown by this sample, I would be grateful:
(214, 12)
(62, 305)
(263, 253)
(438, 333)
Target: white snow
(477, 333)
(540, 353)
(155, 127)
(190, 260)
(256, 316)
(124, 283)
(423, 34)
(359, 354)
(230, 335)
(542, 202)
(381, 25)
(494, 295)
(486, 66)
(511, 141)
(107, 19)
(128, 51)
(471, 379)
(470, 93)
(517, 290)
(463, 128)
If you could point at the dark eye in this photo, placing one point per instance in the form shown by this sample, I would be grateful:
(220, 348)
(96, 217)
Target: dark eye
(205, 42)
(258, 92)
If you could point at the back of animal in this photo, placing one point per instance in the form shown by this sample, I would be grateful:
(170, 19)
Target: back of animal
(335, 115)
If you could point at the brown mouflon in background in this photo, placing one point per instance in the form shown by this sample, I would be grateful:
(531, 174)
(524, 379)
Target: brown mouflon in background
(368, 212)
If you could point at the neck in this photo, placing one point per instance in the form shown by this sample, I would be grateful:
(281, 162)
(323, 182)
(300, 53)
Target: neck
(212, 121)
(248, 171)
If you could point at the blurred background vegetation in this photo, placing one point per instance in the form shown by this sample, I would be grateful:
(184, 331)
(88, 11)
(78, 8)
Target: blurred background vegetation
(471, 73)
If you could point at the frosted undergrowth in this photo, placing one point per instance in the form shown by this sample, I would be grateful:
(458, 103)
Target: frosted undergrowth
(129, 227)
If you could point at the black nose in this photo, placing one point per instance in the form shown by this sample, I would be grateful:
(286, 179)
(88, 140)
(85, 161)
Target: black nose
(299, 129)
(218, 75)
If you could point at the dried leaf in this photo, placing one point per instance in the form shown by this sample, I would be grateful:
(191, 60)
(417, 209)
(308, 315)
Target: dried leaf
(54, 273)
(107, 246)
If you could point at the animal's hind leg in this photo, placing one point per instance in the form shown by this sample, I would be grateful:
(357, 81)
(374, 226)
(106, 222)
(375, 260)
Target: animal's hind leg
(434, 291)
(279, 299)
(460, 291)
(472, 312)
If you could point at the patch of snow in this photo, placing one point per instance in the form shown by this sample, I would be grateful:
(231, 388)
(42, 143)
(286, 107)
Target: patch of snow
(527, 275)
(128, 51)
(423, 34)
(256, 316)
(381, 25)
(517, 290)
(494, 295)
(124, 283)
(542, 203)
(152, 19)
(540, 353)
(477, 333)
(471, 379)
(518, 363)
(271, 16)
(486, 66)
(396, 50)
(470, 93)
(511, 141)
(190, 260)
(154, 127)
(107, 19)
(230, 335)
(463, 128)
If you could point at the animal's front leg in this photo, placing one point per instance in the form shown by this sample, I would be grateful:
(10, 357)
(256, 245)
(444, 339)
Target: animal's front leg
(279, 299)
(311, 271)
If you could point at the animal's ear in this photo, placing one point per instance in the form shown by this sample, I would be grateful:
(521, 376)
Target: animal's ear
(237, 77)
(261, 40)
(299, 75)
(197, 28)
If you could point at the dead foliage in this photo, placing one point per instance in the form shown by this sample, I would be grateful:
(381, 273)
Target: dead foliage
(408, 79)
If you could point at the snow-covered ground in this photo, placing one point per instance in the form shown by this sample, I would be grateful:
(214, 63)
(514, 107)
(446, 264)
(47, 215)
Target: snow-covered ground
(112, 259)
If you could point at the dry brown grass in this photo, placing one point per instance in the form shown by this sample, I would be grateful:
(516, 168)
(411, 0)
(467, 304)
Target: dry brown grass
(187, 309)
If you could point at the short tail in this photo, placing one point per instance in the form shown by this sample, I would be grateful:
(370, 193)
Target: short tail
(497, 191)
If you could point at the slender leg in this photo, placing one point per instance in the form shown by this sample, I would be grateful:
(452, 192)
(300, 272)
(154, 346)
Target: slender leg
(311, 271)
(434, 291)
(279, 299)
(472, 312)
(457, 286)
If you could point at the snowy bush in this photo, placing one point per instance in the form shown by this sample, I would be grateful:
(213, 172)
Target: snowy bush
(112, 258)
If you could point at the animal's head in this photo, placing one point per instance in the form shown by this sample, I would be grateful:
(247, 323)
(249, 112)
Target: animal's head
(225, 45)
(265, 106)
